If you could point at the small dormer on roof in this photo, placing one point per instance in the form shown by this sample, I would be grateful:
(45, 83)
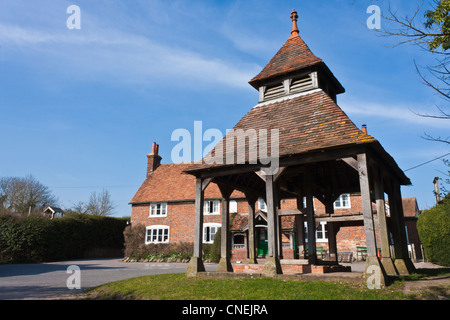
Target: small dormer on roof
(295, 69)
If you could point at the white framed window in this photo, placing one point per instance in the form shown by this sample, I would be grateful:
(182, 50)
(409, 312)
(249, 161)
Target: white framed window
(321, 232)
(262, 205)
(158, 210)
(209, 231)
(233, 206)
(211, 207)
(157, 234)
(343, 202)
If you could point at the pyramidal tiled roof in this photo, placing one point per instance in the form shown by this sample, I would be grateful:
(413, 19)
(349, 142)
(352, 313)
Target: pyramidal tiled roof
(294, 55)
(305, 123)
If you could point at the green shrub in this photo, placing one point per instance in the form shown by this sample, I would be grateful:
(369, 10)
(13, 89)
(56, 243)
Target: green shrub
(215, 248)
(434, 232)
(135, 247)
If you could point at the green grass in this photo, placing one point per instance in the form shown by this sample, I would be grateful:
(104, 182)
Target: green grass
(178, 287)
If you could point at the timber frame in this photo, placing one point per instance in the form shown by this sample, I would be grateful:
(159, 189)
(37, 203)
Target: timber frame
(324, 174)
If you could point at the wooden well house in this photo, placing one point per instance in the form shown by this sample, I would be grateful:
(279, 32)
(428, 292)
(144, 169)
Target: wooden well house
(295, 143)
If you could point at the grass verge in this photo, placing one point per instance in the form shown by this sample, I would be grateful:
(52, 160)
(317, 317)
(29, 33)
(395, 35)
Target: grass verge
(178, 287)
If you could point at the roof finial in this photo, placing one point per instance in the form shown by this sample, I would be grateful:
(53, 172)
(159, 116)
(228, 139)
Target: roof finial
(294, 18)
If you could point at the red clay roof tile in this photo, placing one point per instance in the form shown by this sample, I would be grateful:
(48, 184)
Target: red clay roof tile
(294, 55)
(169, 183)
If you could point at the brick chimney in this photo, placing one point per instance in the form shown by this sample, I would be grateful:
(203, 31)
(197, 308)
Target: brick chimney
(364, 128)
(154, 160)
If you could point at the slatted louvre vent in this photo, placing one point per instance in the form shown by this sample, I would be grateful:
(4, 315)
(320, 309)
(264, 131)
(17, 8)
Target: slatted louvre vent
(301, 85)
(274, 92)
(289, 86)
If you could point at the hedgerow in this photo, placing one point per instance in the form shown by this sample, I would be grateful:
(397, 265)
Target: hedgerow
(36, 239)
(433, 226)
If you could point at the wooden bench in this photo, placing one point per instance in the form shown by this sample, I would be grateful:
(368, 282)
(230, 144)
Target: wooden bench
(345, 256)
(319, 252)
(361, 252)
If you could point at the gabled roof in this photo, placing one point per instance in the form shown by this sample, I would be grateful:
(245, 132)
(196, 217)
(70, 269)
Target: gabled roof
(53, 209)
(169, 183)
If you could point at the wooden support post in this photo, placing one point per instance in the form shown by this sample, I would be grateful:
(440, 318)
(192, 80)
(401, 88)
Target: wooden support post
(196, 264)
(251, 200)
(312, 255)
(300, 229)
(225, 252)
(386, 259)
(372, 262)
(272, 266)
(279, 233)
(402, 262)
(333, 229)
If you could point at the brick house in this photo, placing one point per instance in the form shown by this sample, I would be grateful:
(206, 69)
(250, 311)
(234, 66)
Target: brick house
(164, 204)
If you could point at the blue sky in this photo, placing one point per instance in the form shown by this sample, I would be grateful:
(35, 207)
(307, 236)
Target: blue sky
(79, 109)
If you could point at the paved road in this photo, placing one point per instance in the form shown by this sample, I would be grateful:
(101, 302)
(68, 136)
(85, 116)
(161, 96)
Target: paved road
(49, 280)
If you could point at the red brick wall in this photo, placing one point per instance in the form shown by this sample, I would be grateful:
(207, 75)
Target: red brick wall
(180, 218)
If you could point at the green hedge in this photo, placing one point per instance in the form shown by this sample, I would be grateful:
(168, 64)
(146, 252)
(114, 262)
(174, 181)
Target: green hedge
(433, 226)
(35, 239)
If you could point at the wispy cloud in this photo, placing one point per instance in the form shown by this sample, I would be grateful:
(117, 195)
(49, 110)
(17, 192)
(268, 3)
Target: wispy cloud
(402, 113)
(130, 56)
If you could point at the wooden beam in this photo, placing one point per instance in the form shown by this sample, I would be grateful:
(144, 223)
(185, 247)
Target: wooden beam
(225, 253)
(367, 205)
(352, 162)
(386, 260)
(279, 172)
(196, 263)
(242, 188)
(307, 186)
(272, 266)
(287, 161)
(198, 223)
(251, 200)
(356, 217)
(205, 183)
(289, 212)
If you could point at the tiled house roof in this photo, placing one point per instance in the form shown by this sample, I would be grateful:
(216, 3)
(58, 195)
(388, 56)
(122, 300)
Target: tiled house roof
(169, 183)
